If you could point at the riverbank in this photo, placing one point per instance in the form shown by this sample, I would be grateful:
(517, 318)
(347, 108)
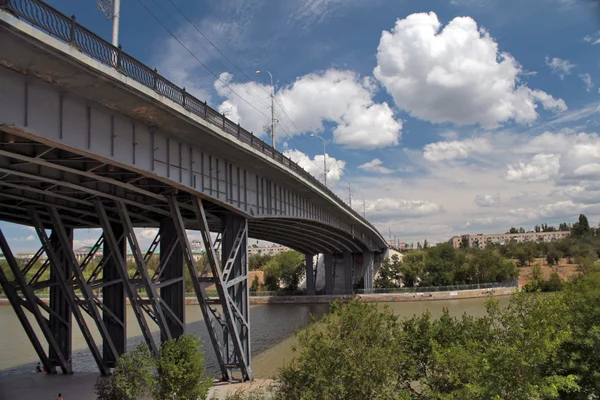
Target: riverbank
(376, 297)
(80, 386)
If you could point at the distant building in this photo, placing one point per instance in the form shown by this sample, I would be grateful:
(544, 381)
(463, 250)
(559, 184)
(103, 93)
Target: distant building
(480, 240)
(270, 250)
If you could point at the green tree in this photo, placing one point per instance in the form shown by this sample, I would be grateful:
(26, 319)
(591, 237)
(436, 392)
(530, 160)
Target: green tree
(580, 355)
(351, 354)
(258, 261)
(180, 370)
(272, 275)
(255, 284)
(132, 377)
(552, 255)
(580, 228)
(292, 268)
(389, 274)
(513, 230)
(411, 267)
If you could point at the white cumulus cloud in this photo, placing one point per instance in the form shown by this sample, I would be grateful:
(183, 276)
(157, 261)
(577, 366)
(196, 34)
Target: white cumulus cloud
(341, 97)
(375, 165)
(402, 207)
(541, 168)
(455, 74)
(451, 150)
(314, 166)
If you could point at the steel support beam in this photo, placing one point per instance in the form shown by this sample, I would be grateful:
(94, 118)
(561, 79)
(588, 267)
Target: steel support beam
(16, 303)
(173, 295)
(60, 320)
(113, 296)
(235, 275)
(130, 290)
(65, 282)
(310, 278)
(232, 314)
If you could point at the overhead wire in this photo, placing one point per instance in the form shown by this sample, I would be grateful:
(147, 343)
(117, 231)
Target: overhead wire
(283, 125)
(298, 131)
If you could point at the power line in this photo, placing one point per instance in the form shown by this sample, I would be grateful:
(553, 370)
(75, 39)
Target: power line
(197, 59)
(241, 71)
(213, 73)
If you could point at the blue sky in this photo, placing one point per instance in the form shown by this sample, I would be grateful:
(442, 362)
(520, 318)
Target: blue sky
(447, 117)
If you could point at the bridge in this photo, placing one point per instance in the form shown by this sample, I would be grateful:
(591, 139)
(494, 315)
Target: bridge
(92, 138)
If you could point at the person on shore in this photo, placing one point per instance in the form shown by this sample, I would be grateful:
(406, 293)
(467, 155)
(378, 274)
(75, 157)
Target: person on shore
(38, 368)
(59, 397)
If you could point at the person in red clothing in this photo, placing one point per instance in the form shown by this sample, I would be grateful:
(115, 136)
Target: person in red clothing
(59, 397)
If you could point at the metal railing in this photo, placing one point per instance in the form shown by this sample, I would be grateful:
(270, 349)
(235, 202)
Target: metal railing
(47, 18)
(449, 288)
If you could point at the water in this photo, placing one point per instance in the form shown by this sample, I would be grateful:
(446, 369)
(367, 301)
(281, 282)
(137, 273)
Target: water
(272, 330)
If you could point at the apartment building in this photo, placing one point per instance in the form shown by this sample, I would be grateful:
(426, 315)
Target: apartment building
(270, 250)
(481, 240)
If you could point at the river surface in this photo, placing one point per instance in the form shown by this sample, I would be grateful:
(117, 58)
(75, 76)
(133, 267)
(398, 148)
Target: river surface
(272, 332)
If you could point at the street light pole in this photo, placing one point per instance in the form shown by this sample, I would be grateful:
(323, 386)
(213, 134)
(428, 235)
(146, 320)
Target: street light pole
(324, 158)
(116, 11)
(272, 108)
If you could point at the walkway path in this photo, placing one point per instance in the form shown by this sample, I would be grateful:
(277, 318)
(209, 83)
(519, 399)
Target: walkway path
(80, 386)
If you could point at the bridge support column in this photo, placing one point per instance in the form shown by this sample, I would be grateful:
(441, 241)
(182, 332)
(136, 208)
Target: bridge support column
(368, 260)
(59, 304)
(113, 297)
(235, 274)
(310, 277)
(172, 295)
(348, 272)
(329, 272)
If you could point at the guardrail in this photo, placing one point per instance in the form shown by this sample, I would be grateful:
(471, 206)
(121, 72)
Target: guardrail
(47, 18)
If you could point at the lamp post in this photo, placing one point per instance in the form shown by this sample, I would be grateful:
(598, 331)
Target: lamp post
(272, 108)
(324, 158)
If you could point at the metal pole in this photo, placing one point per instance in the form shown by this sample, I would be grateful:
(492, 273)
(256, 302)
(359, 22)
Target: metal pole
(272, 107)
(115, 18)
(349, 195)
(324, 162)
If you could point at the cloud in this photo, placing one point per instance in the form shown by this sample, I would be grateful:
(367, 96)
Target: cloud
(560, 66)
(340, 97)
(452, 150)
(541, 168)
(375, 165)
(28, 238)
(487, 200)
(313, 12)
(593, 39)
(401, 207)
(587, 80)
(315, 166)
(455, 74)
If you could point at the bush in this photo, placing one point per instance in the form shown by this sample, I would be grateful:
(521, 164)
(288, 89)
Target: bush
(180, 370)
(132, 377)
(255, 284)
(179, 373)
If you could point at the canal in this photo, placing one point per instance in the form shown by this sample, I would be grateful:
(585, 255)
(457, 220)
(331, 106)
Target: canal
(272, 326)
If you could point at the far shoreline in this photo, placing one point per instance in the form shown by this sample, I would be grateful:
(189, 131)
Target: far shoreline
(371, 298)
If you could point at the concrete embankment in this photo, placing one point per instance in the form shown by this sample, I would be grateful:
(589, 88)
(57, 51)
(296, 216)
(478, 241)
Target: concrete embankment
(374, 298)
(386, 297)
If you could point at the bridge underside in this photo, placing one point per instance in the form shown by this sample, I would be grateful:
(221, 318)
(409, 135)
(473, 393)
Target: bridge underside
(34, 173)
(54, 189)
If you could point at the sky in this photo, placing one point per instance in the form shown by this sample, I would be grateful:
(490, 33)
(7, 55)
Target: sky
(439, 117)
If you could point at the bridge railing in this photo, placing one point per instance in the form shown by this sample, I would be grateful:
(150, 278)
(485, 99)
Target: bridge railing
(47, 18)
